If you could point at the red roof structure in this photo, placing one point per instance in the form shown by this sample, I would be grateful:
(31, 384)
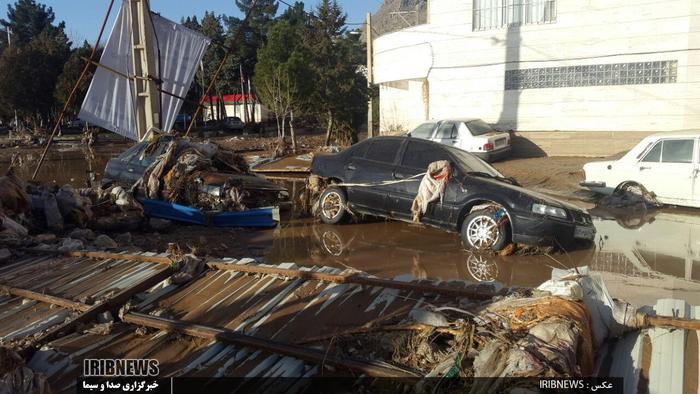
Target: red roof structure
(233, 99)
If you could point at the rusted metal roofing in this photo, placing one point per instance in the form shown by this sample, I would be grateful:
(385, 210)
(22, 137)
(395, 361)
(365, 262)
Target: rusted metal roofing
(80, 279)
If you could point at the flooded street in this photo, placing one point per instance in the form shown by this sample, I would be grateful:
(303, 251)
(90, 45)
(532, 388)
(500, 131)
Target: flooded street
(641, 259)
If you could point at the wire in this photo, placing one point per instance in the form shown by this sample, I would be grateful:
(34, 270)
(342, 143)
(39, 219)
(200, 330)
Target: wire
(309, 14)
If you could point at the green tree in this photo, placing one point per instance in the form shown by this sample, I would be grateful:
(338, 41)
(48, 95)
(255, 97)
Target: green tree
(71, 72)
(212, 28)
(282, 76)
(341, 89)
(29, 70)
(255, 33)
(27, 19)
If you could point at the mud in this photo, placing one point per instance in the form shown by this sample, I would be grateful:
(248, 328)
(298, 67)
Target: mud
(643, 258)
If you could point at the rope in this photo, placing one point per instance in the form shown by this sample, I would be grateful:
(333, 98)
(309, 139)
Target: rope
(383, 183)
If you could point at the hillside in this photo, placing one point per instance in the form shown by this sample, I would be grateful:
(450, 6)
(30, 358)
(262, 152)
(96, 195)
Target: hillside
(386, 20)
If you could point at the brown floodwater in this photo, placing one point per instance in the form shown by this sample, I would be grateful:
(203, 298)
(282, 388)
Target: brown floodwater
(65, 163)
(641, 258)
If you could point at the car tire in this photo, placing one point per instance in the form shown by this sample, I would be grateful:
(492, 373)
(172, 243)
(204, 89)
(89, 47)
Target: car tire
(332, 205)
(481, 231)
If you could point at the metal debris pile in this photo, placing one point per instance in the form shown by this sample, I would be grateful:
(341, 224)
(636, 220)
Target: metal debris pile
(524, 335)
(16, 377)
(199, 175)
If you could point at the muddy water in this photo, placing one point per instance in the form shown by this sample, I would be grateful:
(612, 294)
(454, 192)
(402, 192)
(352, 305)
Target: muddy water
(65, 163)
(641, 259)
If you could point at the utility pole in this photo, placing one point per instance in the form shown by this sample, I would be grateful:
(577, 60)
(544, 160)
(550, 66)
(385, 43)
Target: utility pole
(148, 110)
(245, 102)
(370, 77)
(9, 39)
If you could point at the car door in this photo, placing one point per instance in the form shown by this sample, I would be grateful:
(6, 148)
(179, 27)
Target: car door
(375, 166)
(415, 160)
(447, 133)
(668, 170)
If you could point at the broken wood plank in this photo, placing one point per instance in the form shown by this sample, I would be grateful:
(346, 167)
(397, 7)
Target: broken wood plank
(368, 367)
(355, 279)
(49, 299)
(112, 303)
(137, 258)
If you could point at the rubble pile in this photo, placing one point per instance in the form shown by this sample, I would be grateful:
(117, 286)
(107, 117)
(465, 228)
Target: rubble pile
(16, 377)
(199, 175)
(532, 334)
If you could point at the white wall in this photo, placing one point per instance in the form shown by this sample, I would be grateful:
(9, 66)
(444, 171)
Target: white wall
(466, 69)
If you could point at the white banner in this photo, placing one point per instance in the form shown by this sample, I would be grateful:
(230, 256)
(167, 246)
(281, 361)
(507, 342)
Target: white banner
(110, 100)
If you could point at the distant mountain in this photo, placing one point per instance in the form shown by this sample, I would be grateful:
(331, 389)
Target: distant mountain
(399, 14)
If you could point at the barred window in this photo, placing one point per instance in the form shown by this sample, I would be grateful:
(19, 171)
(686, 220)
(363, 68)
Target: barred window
(494, 14)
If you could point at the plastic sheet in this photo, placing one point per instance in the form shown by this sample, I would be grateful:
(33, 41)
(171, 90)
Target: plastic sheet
(110, 100)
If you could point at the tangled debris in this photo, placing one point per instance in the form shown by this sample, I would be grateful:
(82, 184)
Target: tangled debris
(202, 175)
(16, 377)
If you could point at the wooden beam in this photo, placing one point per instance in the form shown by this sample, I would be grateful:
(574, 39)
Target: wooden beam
(320, 357)
(137, 258)
(112, 303)
(355, 279)
(33, 295)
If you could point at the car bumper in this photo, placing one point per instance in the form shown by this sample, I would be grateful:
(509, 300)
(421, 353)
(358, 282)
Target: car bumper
(494, 155)
(546, 231)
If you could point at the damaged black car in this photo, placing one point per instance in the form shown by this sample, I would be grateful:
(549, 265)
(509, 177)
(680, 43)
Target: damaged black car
(186, 174)
(382, 176)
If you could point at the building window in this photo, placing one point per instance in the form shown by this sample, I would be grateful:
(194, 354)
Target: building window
(495, 14)
(641, 73)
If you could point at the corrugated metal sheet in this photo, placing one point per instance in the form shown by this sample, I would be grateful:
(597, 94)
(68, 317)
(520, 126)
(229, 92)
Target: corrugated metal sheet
(78, 279)
(657, 360)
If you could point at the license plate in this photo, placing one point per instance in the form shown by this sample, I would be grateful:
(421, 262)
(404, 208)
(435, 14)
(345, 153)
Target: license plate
(584, 232)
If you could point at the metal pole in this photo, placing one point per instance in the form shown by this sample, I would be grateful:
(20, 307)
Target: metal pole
(370, 78)
(71, 96)
(222, 62)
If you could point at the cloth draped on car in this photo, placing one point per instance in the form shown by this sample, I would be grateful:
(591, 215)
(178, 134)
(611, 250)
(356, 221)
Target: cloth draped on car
(432, 187)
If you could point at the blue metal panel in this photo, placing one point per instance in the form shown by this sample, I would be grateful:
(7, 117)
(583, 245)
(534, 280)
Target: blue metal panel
(255, 218)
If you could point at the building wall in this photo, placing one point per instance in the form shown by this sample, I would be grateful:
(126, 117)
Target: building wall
(466, 70)
(261, 113)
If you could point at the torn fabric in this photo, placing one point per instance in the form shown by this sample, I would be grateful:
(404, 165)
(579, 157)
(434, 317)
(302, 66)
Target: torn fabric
(110, 100)
(432, 187)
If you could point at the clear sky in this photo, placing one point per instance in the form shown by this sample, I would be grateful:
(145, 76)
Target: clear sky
(83, 17)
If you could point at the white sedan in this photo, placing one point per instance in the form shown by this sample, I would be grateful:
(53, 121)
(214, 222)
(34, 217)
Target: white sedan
(471, 135)
(666, 164)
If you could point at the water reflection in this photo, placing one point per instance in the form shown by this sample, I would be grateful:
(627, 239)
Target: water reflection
(665, 242)
(65, 163)
(665, 245)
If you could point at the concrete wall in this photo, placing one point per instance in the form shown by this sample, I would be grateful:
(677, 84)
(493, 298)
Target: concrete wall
(466, 69)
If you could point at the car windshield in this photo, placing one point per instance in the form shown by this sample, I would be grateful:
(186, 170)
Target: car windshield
(479, 127)
(423, 131)
(470, 163)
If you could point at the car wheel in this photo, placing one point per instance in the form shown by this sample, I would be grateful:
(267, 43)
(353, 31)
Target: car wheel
(481, 231)
(332, 205)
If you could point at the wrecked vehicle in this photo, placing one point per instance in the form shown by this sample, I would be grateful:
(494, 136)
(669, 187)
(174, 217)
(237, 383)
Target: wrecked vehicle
(665, 164)
(380, 177)
(197, 183)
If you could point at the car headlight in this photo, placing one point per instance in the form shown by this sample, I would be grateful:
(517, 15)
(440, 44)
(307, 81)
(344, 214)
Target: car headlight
(549, 210)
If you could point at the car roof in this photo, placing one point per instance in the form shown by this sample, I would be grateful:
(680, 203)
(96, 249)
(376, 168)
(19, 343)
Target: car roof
(681, 133)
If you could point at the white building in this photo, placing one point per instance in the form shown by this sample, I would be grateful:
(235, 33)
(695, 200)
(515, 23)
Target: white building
(592, 68)
(236, 105)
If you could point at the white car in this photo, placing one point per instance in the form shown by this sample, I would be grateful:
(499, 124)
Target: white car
(666, 164)
(471, 135)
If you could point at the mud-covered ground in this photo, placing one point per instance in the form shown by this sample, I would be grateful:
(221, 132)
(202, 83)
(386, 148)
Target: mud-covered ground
(655, 257)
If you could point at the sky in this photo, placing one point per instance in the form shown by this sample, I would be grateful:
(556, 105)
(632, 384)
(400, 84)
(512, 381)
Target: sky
(83, 17)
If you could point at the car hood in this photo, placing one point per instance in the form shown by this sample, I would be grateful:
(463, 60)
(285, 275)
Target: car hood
(537, 196)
